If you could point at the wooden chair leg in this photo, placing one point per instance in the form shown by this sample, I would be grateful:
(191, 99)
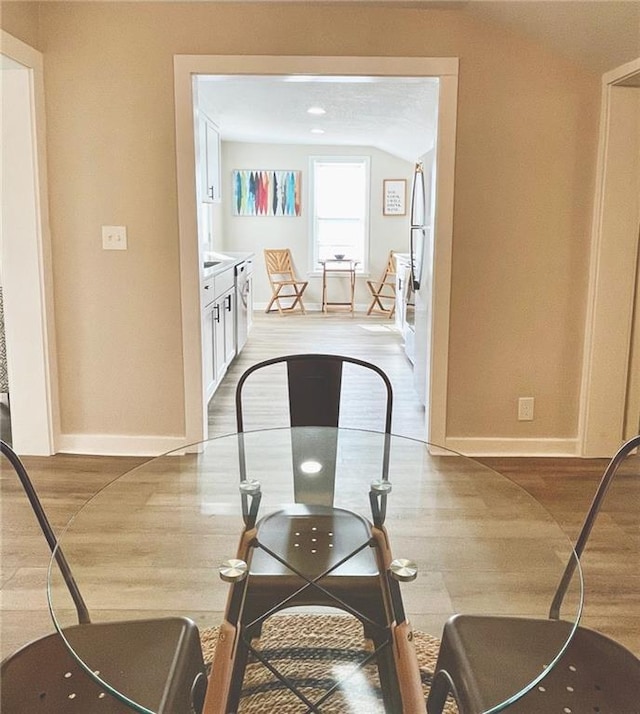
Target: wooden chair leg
(221, 678)
(407, 669)
(275, 298)
(299, 300)
(296, 297)
(239, 667)
(299, 290)
(376, 304)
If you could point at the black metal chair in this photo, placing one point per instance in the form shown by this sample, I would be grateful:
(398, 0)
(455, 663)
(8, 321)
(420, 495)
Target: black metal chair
(313, 553)
(484, 660)
(314, 382)
(157, 662)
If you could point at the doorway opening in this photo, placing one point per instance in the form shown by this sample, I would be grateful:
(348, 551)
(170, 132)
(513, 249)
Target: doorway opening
(25, 265)
(360, 130)
(185, 67)
(610, 409)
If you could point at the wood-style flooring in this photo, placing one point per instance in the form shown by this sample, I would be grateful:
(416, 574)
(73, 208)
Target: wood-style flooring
(563, 486)
(369, 338)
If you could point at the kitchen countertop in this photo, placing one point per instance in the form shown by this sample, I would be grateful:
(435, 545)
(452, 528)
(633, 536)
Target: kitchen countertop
(223, 261)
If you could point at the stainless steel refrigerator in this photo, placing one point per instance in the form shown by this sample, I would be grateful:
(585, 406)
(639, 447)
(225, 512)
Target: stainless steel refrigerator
(419, 297)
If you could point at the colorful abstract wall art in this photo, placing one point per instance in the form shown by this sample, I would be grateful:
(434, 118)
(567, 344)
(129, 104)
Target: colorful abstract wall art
(266, 193)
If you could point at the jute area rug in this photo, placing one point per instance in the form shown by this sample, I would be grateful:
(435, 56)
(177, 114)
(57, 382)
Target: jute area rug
(315, 652)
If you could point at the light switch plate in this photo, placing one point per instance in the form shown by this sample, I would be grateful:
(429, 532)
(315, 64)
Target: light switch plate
(114, 237)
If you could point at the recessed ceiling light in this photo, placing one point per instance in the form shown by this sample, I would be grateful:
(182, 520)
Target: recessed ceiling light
(317, 131)
(316, 111)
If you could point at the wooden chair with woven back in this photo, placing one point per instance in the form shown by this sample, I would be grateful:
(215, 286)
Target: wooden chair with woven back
(285, 286)
(383, 291)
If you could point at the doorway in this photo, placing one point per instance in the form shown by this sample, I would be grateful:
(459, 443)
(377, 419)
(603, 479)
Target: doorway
(185, 67)
(610, 409)
(25, 265)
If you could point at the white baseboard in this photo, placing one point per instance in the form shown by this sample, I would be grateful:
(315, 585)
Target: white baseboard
(475, 446)
(123, 445)
(118, 444)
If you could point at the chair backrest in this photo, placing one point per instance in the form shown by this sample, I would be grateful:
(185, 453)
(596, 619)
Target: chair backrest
(315, 382)
(45, 526)
(279, 264)
(587, 526)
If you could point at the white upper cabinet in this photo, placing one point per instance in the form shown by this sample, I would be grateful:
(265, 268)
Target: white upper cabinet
(209, 159)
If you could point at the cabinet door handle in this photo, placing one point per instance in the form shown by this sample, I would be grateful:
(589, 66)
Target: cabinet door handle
(210, 191)
(244, 295)
(216, 313)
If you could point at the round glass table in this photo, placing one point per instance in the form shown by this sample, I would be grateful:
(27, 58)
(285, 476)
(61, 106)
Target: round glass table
(150, 544)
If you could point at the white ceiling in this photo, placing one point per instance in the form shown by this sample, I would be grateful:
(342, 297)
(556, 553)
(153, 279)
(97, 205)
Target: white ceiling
(395, 114)
(596, 34)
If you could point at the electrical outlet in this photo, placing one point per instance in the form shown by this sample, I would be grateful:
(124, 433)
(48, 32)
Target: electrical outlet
(525, 409)
(114, 237)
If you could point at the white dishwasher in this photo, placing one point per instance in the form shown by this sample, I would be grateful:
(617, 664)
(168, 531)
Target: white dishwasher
(244, 302)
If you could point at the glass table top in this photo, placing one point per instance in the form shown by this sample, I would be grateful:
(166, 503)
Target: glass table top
(150, 543)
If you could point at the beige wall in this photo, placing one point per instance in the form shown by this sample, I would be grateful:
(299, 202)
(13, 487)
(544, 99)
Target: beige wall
(527, 124)
(21, 19)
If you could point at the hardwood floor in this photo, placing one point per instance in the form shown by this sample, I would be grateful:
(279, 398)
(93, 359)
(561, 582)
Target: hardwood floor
(370, 338)
(611, 562)
(563, 486)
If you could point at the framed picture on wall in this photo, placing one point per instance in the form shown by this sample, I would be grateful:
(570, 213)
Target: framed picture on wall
(394, 197)
(258, 192)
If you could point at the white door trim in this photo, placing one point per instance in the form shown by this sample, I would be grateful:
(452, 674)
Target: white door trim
(185, 66)
(609, 318)
(26, 266)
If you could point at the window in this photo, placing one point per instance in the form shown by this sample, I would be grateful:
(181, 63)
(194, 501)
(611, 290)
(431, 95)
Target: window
(340, 208)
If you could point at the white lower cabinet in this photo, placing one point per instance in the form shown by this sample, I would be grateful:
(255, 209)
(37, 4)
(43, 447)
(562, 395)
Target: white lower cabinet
(229, 320)
(224, 333)
(219, 366)
(209, 376)
(218, 330)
